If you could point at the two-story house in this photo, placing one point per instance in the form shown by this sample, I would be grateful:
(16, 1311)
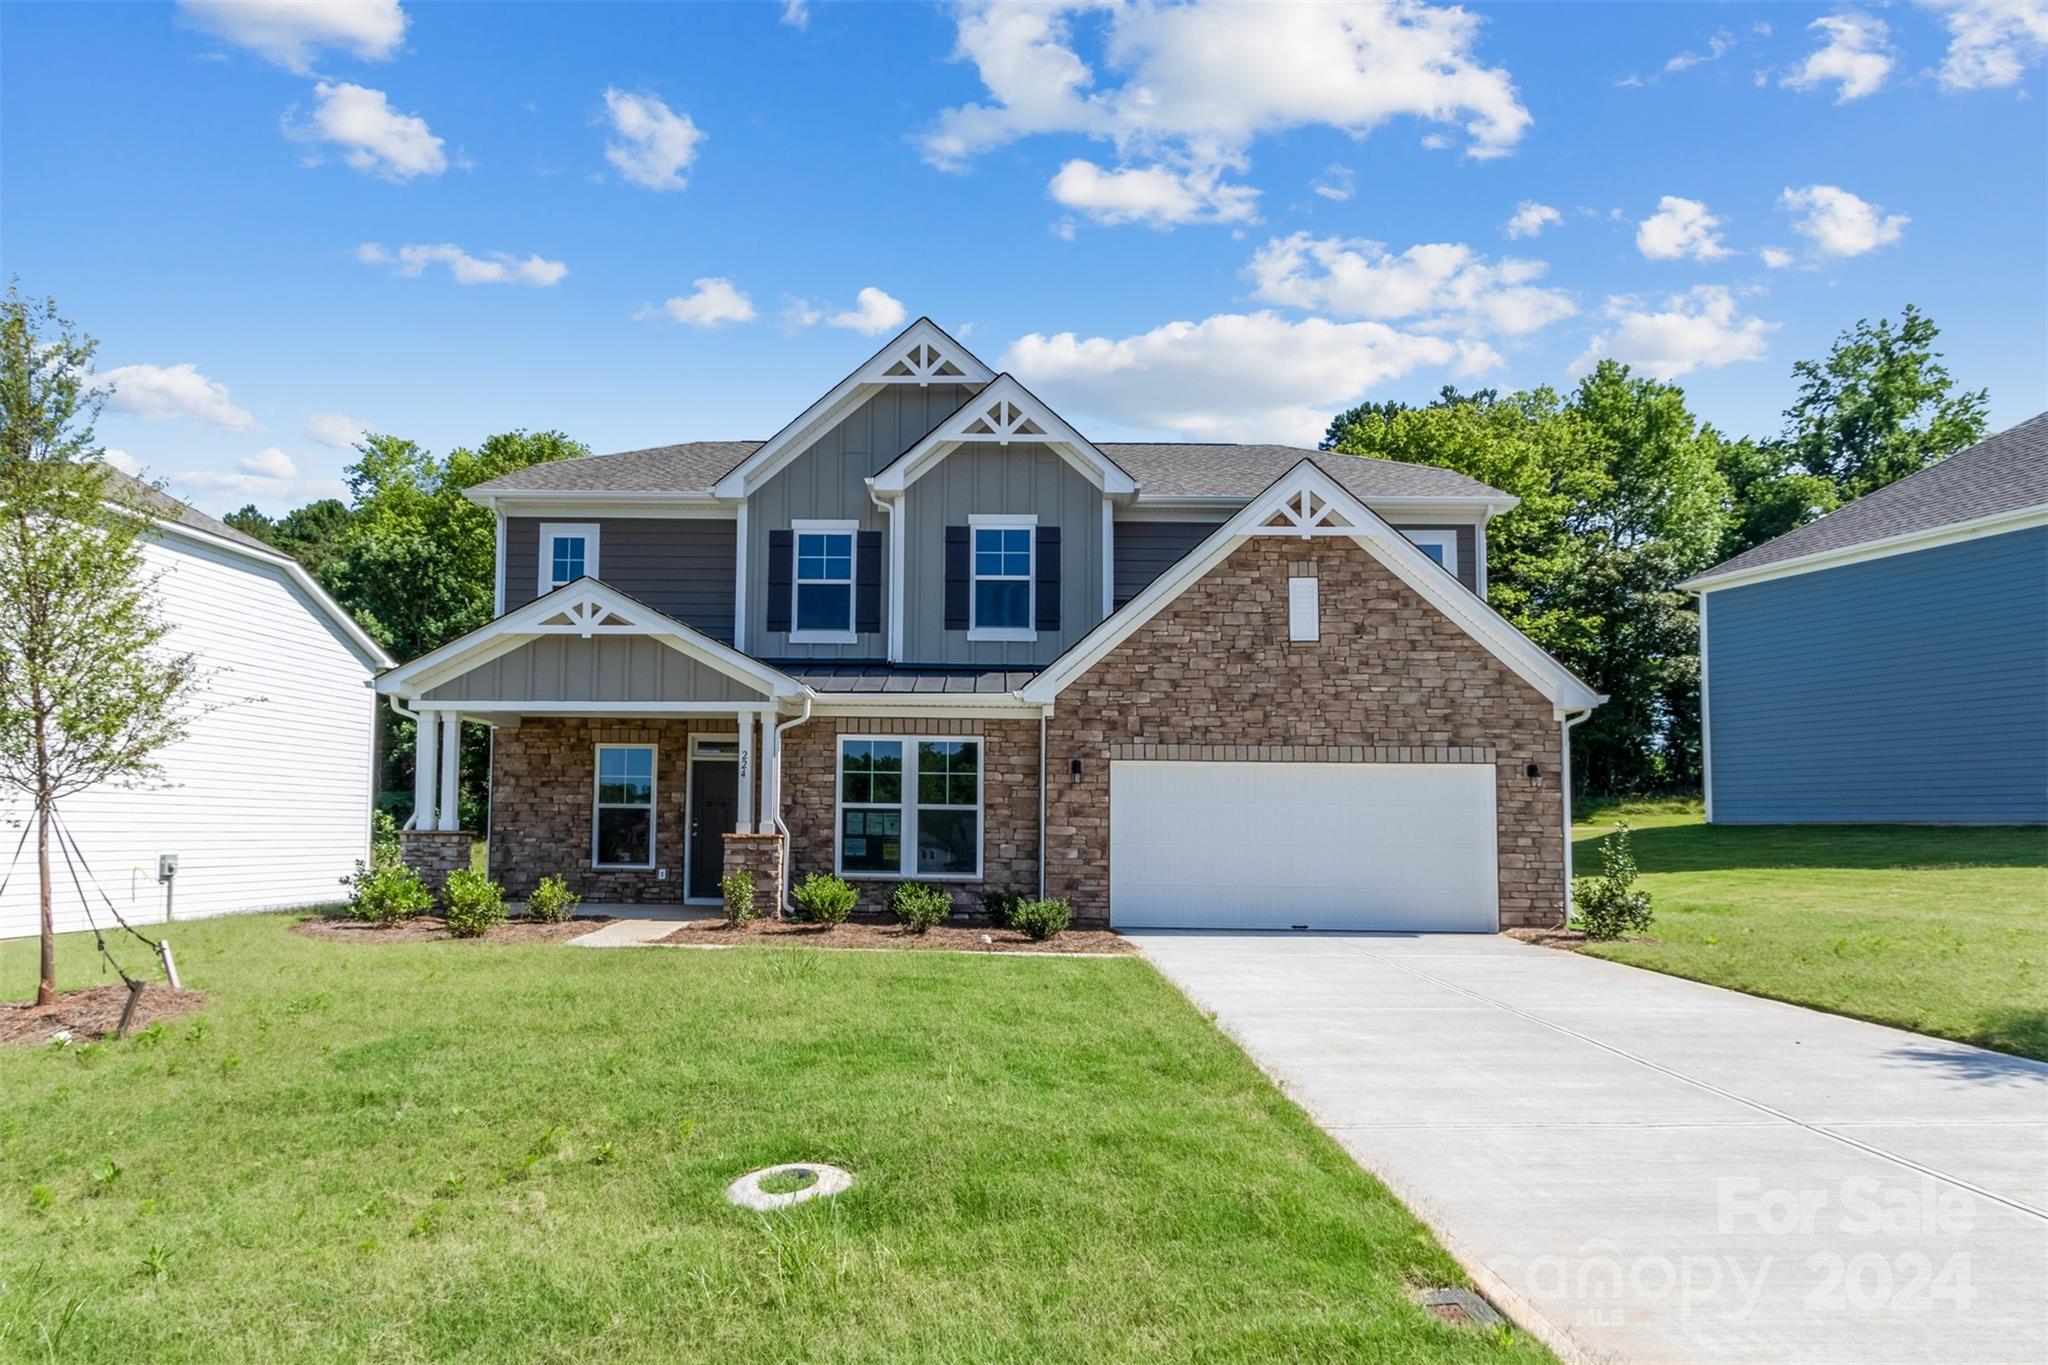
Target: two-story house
(930, 631)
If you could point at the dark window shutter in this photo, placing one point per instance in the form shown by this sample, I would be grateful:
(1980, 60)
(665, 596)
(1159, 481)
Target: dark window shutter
(867, 584)
(958, 560)
(781, 569)
(1048, 578)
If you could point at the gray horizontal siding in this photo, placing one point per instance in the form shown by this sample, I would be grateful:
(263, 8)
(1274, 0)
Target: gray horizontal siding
(828, 482)
(604, 668)
(1146, 549)
(682, 566)
(1909, 689)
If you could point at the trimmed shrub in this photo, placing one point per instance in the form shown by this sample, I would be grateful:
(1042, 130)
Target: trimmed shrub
(1042, 919)
(1001, 907)
(824, 899)
(551, 901)
(920, 906)
(738, 890)
(384, 844)
(385, 893)
(1610, 905)
(474, 904)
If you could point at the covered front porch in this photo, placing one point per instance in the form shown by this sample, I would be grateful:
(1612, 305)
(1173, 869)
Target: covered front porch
(631, 756)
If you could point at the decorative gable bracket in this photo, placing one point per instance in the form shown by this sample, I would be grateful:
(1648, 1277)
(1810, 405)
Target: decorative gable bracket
(1000, 414)
(1307, 513)
(587, 616)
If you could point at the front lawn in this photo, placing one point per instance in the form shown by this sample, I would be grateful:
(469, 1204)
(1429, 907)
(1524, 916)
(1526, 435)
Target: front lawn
(470, 1151)
(1937, 930)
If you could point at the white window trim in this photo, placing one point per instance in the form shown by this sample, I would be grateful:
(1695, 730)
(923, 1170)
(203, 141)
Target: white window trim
(909, 807)
(1447, 541)
(1003, 522)
(550, 531)
(799, 529)
(653, 807)
(1304, 610)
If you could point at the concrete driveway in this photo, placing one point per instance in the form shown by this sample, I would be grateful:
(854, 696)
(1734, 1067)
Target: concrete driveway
(1642, 1168)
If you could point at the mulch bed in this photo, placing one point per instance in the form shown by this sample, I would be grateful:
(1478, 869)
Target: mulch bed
(855, 934)
(1570, 940)
(93, 1013)
(434, 929)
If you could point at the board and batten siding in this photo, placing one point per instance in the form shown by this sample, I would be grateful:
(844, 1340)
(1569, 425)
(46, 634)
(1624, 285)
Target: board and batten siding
(266, 801)
(1908, 689)
(680, 566)
(828, 482)
(603, 668)
(988, 480)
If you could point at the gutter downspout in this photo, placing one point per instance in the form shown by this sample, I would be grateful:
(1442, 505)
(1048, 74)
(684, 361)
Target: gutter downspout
(891, 648)
(398, 709)
(1043, 713)
(1569, 721)
(775, 810)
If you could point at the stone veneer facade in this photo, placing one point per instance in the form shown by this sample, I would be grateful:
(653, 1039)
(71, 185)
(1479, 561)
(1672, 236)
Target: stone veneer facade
(1392, 680)
(434, 853)
(760, 855)
(1009, 821)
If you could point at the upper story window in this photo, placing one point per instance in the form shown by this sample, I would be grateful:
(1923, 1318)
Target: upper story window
(824, 582)
(568, 551)
(1003, 578)
(1442, 546)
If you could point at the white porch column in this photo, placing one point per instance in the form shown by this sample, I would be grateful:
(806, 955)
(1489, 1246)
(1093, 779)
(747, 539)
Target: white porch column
(771, 773)
(425, 751)
(451, 771)
(748, 775)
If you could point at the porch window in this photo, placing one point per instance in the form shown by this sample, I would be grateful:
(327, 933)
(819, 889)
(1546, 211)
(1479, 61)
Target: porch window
(622, 832)
(824, 582)
(1002, 578)
(568, 551)
(929, 826)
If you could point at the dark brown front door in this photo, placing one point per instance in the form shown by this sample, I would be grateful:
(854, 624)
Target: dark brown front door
(714, 807)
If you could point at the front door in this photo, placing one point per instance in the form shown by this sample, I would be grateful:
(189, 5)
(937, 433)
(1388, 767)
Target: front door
(714, 808)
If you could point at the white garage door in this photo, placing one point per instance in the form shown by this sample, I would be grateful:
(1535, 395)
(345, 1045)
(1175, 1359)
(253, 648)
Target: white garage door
(1394, 846)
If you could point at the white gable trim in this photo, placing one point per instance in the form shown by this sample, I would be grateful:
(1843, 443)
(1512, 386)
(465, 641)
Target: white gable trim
(1954, 533)
(920, 354)
(585, 608)
(1307, 503)
(1003, 413)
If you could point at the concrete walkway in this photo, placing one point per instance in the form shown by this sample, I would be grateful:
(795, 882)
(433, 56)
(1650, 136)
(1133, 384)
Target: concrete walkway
(1649, 1169)
(636, 926)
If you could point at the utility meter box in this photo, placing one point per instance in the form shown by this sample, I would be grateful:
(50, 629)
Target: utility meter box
(166, 866)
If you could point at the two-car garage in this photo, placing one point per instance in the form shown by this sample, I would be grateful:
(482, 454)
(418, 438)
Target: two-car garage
(1274, 845)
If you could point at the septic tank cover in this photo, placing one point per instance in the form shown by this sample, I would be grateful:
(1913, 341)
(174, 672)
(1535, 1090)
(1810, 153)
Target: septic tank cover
(748, 1194)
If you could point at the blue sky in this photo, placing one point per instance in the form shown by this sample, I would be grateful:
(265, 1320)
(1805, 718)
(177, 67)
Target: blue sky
(651, 223)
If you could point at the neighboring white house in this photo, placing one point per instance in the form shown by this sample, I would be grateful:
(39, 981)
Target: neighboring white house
(266, 802)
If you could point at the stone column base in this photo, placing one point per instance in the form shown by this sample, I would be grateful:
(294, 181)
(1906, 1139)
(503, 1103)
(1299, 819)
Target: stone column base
(760, 854)
(434, 853)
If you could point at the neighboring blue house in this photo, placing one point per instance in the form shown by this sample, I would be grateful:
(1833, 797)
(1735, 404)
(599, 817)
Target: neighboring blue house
(1888, 663)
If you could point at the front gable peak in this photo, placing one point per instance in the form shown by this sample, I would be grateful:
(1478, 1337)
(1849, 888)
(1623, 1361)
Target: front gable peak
(1004, 412)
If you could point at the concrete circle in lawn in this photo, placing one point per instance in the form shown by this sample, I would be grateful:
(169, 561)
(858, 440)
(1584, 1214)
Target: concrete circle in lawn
(824, 1181)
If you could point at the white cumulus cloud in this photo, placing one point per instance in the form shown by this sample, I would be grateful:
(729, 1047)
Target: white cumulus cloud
(1777, 258)
(1856, 55)
(269, 463)
(1233, 376)
(156, 392)
(1156, 196)
(1991, 42)
(1531, 218)
(654, 144)
(1678, 229)
(1702, 328)
(122, 460)
(714, 301)
(289, 32)
(499, 267)
(372, 137)
(1192, 86)
(873, 313)
(1334, 184)
(797, 14)
(1839, 223)
(1439, 286)
(335, 429)
(1718, 46)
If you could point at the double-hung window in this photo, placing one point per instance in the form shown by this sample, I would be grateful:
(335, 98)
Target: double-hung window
(824, 582)
(1001, 603)
(568, 551)
(923, 823)
(622, 826)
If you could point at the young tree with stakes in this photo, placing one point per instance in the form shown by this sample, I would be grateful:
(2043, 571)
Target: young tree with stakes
(87, 693)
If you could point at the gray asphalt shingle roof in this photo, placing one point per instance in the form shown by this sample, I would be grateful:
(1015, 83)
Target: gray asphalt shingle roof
(2003, 473)
(1162, 469)
(184, 514)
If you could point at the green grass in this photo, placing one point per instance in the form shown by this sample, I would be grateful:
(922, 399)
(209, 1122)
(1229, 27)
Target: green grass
(1937, 930)
(477, 1152)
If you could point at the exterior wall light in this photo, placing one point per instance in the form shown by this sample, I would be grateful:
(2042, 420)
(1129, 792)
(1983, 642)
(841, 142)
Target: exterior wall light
(1535, 775)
